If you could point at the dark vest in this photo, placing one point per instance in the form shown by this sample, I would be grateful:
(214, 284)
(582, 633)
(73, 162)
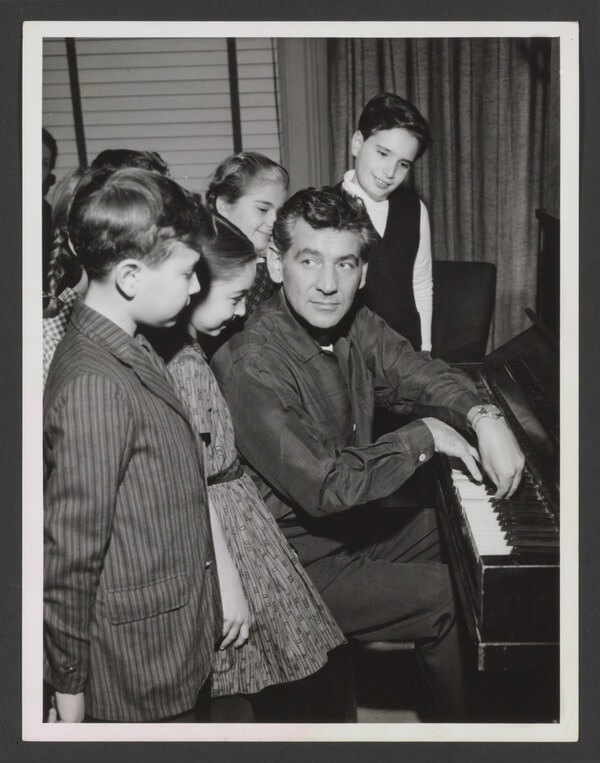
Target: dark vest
(389, 287)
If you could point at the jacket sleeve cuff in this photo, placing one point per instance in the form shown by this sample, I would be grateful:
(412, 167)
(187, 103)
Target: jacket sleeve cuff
(65, 678)
(419, 441)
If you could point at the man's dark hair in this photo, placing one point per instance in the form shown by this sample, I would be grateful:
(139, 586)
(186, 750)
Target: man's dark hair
(50, 143)
(324, 208)
(386, 111)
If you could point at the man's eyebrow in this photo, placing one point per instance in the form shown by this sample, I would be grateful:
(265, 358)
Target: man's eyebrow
(342, 257)
(308, 250)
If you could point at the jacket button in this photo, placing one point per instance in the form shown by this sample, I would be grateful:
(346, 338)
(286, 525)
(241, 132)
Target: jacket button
(207, 565)
(422, 457)
(69, 668)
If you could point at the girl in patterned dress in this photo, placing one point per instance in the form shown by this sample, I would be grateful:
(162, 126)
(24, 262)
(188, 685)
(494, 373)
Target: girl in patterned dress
(292, 630)
(248, 189)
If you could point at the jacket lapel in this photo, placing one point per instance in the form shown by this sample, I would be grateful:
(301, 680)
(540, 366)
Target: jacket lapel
(152, 376)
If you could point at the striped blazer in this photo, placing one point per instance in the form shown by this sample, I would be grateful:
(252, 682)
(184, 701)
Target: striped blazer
(131, 605)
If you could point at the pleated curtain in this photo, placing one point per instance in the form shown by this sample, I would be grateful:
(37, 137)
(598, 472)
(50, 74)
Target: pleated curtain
(492, 104)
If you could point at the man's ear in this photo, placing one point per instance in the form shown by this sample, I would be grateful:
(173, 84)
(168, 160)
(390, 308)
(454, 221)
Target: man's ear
(127, 275)
(221, 206)
(363, 278)
(274, 265)
(356, 143)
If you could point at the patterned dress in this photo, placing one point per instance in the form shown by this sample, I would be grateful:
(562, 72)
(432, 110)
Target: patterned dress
(293, 629)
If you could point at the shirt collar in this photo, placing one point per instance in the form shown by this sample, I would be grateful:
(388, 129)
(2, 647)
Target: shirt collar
(103, 331)
(68, 297)
(292, 332)
(354, 189)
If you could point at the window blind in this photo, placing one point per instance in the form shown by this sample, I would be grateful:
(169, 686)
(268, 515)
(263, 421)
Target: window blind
(166, 95)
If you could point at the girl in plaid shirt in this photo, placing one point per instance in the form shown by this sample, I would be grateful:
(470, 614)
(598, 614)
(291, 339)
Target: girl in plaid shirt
(67, 280)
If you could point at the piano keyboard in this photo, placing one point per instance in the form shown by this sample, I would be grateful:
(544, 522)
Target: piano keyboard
(519, 525)
(504, 554)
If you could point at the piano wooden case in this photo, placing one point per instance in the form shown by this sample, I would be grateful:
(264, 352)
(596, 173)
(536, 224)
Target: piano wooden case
(511, 599)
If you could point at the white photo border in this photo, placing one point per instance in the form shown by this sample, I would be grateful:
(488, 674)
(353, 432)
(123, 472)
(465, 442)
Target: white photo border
(33, 729)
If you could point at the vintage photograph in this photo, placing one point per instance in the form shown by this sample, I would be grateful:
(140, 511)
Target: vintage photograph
(296, 380)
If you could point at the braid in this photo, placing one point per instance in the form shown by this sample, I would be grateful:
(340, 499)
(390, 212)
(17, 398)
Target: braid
(64, 269)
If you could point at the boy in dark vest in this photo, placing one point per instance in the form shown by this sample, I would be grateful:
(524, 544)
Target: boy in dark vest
(391, 136)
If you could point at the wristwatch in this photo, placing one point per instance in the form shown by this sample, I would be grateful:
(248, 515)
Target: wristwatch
(485, 412)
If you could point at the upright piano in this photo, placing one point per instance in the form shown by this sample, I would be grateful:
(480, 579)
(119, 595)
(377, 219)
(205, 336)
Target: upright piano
(505, 554)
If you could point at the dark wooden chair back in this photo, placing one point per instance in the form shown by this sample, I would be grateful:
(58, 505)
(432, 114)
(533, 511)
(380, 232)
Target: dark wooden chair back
(463, 303)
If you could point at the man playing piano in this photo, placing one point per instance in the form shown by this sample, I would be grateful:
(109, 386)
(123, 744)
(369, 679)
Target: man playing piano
(302, 381)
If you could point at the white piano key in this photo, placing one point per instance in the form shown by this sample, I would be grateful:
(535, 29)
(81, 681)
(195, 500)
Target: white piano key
(489, 537)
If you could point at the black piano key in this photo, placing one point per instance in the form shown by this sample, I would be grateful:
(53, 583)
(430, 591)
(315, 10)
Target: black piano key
(539, 532)
(524, 516)
(518, 500)
(518, 539)
(529, 528)
(530, 506)
(525, 495)
(542, 531)
(538, 542)
(541, 555)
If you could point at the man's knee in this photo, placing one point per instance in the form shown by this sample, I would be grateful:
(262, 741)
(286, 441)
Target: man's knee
(386, 598)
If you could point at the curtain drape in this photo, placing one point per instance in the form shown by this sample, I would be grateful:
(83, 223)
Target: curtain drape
(304, 105)
(491, 105)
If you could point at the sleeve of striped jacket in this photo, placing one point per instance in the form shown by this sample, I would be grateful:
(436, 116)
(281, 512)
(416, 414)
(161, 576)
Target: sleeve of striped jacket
(87, 431)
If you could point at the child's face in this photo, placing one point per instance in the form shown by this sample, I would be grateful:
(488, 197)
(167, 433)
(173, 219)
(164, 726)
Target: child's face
(163, 290)
(383, 160)
(225, 301)
(254, 213)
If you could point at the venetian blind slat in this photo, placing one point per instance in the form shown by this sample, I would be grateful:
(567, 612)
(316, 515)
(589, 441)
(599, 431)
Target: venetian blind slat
(165, 95)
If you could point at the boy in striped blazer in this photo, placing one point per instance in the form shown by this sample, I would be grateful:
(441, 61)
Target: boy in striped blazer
(131, 605)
